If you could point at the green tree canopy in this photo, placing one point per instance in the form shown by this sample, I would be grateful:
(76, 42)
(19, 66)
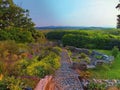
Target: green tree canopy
(12, 15)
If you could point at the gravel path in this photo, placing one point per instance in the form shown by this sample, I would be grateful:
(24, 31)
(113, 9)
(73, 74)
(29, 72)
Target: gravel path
(65, 77)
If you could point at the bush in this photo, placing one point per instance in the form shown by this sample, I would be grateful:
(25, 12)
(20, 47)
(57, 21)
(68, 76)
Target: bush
(17, 35)
(115, 51)
(46, 65)
(4, 35)
(40, 69)
(96, 86)
(55, 35)
(53, 60)
(3, 85)
(20, 67)
(57, 50)
(83, 55)
(16, 83)
(11, 83)
(9, 46)
(87, 39)
(84, 58)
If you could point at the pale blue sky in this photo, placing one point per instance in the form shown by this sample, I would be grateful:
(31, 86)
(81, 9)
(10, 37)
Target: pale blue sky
(71, 12)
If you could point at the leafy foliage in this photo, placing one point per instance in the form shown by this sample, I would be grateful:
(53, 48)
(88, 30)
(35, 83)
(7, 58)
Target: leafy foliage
(22, 36)
(13, 83)
(96, 86)
(38, 69)
(46, 66)
(55, 35)
(15, 24)
(12, 15)
(18, 60)
(93, 39)
(21, 49)
(115, 51)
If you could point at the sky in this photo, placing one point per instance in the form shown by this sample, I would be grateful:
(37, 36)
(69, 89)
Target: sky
(71, 12)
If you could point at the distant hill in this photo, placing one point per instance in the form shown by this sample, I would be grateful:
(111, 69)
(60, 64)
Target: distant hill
(73, 27)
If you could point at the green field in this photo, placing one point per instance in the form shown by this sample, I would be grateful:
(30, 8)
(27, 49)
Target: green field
(108, 71)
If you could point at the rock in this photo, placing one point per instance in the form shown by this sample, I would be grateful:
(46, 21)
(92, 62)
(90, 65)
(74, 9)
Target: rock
(114, 81)
(95, 53)
(90, 66)
(82, 50)
(94, 80)
(99, 62)
(104, 58)
(99, 81)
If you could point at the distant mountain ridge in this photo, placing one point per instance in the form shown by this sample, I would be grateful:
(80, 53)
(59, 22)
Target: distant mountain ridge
(73, 27)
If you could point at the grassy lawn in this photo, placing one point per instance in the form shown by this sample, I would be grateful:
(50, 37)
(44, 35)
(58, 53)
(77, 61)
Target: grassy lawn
(107, 71)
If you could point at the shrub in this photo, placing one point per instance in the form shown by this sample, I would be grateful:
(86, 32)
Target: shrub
(3, 85)
(57, 50)
(46, 65)
(115, 51)
(16, 35)
(11, 83)
(96, 86)
(87, 59)
(40, 69)
(4, 35)
(69, 53)
(83, 55)
(53, 59)
(20, 67)
(9, 46)
(55, 35)
(87, 39)
(14, 83)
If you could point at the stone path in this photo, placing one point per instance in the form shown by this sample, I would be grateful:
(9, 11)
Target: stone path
(65, 77)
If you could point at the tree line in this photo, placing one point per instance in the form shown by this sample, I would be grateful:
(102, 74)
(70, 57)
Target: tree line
(93, 39)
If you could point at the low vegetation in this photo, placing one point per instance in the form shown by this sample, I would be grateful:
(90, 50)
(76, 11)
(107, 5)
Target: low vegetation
(27, 61)
(100, 71)
(92, 39)
(107, 71)
(26, 55)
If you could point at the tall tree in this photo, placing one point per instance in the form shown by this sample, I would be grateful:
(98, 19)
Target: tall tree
(118, 16)
(118, 21)
(12, 15)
